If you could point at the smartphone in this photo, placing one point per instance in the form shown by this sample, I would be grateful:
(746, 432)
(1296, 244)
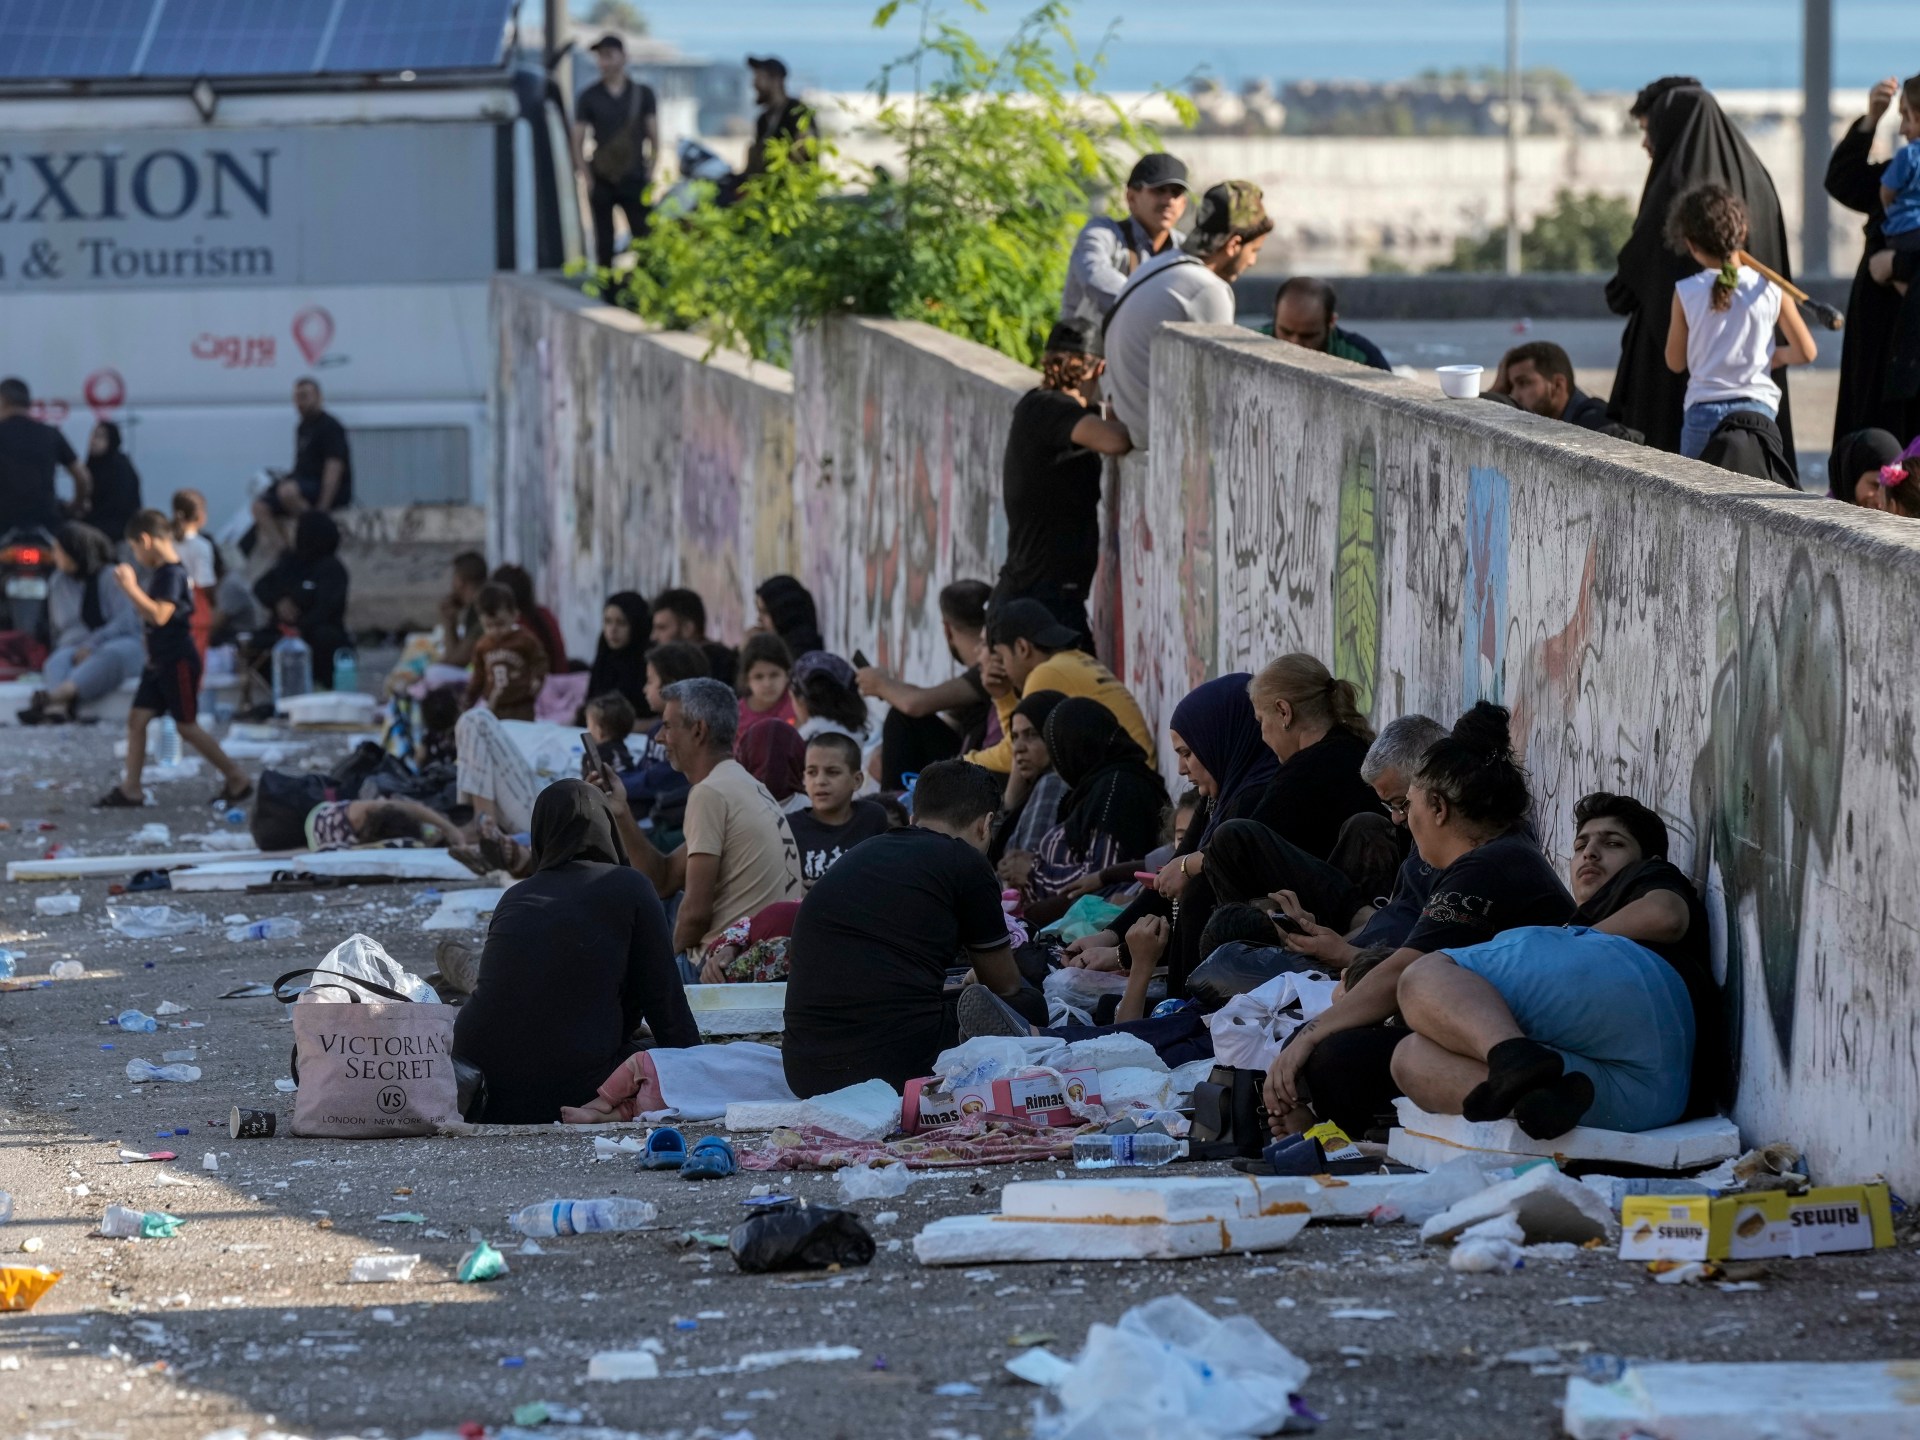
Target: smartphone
(860, 661)
(1287, 923)
(590, 757)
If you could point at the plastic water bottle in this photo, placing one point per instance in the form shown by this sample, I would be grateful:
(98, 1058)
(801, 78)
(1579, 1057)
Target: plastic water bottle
(9, 963)
(236, 816)
(1109, 1152)
(137, 1021)
(66, 970)
(584, 1217)
(292, 669)
(123, 1223)
(143, 1071)
(274, 927)
(6, 1207)
(166, 747)
(346, 669)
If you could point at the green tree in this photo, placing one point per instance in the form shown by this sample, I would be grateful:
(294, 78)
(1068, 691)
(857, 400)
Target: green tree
(1581, 233)
(617, 15)
(1000, 154)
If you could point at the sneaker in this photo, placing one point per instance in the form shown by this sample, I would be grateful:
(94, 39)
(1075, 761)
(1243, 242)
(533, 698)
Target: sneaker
(984, 1013)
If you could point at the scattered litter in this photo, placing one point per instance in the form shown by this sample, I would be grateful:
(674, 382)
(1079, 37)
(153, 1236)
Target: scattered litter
(531, 1247)
(1168, 1367)
(402, 1217)
(606, 1149)
(867, 1111)
(483, 1262)
(254, 990)
(774, 1359)
(210, 1162)
(1792, 1399)
(134, 1022)
(120, 1223)
(152, 833)
(1363, 1315)
(879, 1182)
(135, 1157)
(803, 1237)
(1543, 1202)
(956, 1389)
(66, 903)
(167, 1007)
(379, 1269)
(66, 970)
(143, 1071)
(21, 1286)
(584, 1217)
(624, 1365)
(154, 922)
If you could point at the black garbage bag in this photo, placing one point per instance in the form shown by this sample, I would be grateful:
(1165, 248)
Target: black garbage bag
(282, 801)
(800, 1237)
(1239, 966)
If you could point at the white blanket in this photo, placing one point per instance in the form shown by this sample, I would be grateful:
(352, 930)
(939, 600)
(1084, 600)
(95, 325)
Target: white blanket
(699, 1083)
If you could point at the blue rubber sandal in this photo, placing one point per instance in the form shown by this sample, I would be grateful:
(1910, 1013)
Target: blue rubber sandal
(710, 1159)
(666, 1149)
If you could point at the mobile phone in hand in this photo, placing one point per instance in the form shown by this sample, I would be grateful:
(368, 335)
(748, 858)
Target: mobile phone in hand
(1287, 923)
(590, 762)
(860, 661)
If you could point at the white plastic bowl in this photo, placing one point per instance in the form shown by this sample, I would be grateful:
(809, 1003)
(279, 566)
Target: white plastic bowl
(1460, 382)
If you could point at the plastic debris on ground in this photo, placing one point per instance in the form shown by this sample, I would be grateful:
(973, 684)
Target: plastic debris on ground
(1546, 1204)
(1787, 1401)
(1168, 1368)
(21, 1286)
(626, 1364)
(800, 1237)
(483, 1262)
(65, 904)
(154, 922)
(122, 1223)
(143, 1071)
(879, 1182)
(380, 1269)
(867, 1111)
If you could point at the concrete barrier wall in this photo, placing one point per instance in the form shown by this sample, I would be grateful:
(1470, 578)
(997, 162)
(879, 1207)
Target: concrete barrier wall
(900, 434)
(630, 459)
(1737, 656)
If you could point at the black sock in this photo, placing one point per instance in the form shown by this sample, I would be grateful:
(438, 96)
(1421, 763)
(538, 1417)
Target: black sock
(1554, 1109)
(1514, 1067)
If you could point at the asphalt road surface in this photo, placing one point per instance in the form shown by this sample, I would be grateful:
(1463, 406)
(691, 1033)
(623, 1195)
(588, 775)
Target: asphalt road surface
(246, 1323)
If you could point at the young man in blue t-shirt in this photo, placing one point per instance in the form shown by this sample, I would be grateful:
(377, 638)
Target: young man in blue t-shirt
(170, 683)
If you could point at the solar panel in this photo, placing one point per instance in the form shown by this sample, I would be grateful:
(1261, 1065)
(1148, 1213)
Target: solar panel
(70, 39)
(183, 39)
(380, 35)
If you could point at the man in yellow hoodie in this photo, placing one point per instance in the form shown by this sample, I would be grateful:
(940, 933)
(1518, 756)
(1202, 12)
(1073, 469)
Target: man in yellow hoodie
(1037, 653)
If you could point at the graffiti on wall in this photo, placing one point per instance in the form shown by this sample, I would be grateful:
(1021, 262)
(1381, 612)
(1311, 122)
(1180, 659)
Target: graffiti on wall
(709, 520)
(1484, 636)
(1766, 785)
(1356, 571)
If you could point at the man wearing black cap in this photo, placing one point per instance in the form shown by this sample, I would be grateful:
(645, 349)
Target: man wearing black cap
(781, 116)
(1037, 653)
(625, 121)
(1051, 482)
(1108, 251)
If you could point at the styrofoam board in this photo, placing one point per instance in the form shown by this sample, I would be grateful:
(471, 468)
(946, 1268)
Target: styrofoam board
(1876, 1400)
(1686, 1146)
(423, 865)
(1179, 1198)
(81, 867)
(978, 1239)
(464, 909)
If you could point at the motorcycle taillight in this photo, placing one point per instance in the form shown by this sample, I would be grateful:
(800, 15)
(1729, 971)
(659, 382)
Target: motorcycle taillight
(23, 555)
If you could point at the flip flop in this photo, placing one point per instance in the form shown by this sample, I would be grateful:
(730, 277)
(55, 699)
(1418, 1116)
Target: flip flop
(710, 1159)
(239, 797)
(116, 799)
(666, 1149)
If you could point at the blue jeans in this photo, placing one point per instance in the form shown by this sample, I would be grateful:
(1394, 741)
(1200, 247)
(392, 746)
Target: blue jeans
(1700, 421)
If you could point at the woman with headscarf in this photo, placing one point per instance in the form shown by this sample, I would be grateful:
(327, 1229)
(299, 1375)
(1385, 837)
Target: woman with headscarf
(97, 644)
(577, 958)
(620, 657)
(306, 592)
(785, 607)
(776, 756)
(1022, 828)
(1110, 813)
(1875, 389)
(1869, 469)
(115, 495)
(1691, 142)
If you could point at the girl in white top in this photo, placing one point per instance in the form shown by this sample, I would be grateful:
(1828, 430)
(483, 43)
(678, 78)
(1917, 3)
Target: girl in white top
(1721, 335)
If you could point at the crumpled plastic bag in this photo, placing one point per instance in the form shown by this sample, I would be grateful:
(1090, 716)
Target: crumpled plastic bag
(873, 1182)
(21, 1286)
(1170, 1371)
(1249, 1029)
(800, 1237)
(1088, 915)
(988, 1057)
(361, 957)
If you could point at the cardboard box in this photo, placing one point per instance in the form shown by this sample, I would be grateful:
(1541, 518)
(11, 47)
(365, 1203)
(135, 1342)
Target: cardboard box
(1765, 1225)
(1037, 1096)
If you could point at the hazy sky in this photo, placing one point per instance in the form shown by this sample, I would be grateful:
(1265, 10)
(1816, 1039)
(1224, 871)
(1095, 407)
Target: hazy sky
(1613, 44)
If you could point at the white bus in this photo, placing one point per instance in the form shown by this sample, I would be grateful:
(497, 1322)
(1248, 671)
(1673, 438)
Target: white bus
(201, 202)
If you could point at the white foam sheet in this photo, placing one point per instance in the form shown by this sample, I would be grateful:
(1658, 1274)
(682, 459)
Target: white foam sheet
(1686, 1146)
(700, 1083)
(82, 867)
(867, 1111)
(978, 1239)
(464, 909)
(1549, 1207)
(744, 1009)
(1876, 1400)
(429, 865)
(1182, 1198)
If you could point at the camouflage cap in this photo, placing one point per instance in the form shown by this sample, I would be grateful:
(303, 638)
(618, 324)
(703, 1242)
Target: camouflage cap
(1233, 205)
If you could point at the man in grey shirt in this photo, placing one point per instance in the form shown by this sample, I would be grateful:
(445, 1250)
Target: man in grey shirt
(1109, 251)
(1194, 282)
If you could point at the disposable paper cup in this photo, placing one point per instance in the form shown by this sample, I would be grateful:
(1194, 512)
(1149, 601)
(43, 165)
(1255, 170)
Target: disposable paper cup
(251, 1124)
(1460, 382)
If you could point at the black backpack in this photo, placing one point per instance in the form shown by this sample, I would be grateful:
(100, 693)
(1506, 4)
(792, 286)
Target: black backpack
(282, 801)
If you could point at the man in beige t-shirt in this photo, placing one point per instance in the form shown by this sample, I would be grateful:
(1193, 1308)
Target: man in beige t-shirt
(739, 856)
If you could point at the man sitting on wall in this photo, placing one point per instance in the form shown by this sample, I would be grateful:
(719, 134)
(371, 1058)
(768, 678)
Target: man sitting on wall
(1307, 313)
(1193, 283)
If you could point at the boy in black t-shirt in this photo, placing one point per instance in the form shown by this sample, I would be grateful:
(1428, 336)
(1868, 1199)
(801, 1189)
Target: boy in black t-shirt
(170, 683)
(837, 822)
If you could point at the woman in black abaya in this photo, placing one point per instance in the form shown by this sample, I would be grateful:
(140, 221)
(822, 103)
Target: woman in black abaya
(1692, 143)
(1874, 395)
